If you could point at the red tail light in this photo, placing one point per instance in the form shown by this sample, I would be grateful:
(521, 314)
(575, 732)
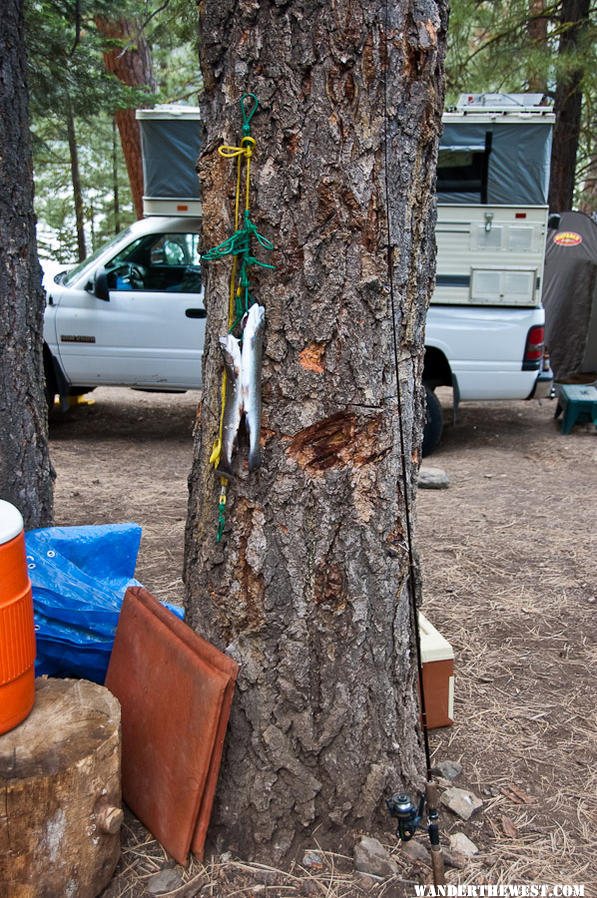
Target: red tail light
(533, 351)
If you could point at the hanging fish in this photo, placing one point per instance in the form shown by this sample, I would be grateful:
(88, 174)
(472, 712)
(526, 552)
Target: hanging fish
(250, 376)
(230, 347)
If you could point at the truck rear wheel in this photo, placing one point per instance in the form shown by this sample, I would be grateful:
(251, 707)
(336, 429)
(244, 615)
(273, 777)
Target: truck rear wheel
(434, 423)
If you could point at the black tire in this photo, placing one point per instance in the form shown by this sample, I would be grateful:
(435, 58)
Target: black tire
(434, 423)
(80, 391)
(50, 385)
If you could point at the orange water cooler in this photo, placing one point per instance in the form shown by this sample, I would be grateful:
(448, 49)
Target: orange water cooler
(17, 632)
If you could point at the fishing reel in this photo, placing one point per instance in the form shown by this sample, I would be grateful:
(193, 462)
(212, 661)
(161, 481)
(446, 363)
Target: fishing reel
(409, 816)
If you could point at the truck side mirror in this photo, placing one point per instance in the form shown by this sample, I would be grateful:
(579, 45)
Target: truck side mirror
(100, 285)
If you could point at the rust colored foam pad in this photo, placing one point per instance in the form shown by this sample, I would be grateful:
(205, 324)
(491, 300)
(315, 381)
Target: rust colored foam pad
(175, 690)
(225, 665)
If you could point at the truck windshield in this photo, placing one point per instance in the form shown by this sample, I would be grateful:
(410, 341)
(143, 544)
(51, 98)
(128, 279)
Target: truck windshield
(74, 273)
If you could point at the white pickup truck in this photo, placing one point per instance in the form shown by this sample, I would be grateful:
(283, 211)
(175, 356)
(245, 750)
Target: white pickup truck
(133, 314)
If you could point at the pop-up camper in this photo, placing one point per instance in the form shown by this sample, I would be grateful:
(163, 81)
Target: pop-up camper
(170, 148)
(492, 182)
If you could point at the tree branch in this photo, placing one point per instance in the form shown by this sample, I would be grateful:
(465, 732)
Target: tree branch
(548, 13)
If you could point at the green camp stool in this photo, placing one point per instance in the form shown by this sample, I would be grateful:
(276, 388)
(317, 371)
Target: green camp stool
(579, 404)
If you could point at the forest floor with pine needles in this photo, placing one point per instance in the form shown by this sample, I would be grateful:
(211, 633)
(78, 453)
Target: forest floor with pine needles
(509, 566)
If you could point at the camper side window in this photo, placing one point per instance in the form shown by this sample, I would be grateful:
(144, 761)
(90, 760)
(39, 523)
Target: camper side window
(462, 175)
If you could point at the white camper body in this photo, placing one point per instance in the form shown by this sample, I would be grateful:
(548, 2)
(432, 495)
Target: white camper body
(490, 255)
(485, 321)
(493, 178)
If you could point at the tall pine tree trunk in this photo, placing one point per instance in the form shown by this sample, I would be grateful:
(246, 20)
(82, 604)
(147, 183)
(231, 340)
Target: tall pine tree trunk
(76, 183)
(567, 107)
(130, 62)
(308, 589)
(115, 186)
(25, 471)
(537, 32)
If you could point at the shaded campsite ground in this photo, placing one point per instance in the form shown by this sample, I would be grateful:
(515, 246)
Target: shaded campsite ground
(510, 570)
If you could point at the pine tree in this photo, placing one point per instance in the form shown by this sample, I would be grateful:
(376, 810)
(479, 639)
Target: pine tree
(309, 588)
(25, 470)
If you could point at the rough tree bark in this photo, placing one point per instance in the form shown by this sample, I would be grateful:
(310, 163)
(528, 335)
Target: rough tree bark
(567, 107)
(308, 590)
(25, 471)
(130, 62)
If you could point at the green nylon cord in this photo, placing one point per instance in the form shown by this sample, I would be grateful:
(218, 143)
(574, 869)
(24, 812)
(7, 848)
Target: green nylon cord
(239, 244)
(248, 114)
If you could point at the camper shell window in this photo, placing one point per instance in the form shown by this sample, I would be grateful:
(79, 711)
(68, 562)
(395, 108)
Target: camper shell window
(463, 171)
(501, 162)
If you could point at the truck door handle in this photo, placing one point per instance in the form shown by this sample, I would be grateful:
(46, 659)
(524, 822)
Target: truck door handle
(196, 313)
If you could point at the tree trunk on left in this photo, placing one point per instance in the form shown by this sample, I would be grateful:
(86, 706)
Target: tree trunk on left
(130, 62)
(25, 470)
(567, 108)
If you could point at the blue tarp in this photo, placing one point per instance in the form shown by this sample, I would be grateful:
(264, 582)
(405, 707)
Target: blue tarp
(79, 577)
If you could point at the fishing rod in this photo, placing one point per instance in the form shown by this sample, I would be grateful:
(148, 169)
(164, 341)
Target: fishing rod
(424, 814)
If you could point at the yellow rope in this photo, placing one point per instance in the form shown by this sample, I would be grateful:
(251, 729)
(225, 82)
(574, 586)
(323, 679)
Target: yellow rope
(244, 151)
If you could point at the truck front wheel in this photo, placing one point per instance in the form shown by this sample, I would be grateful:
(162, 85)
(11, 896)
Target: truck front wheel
(434, 423)
(50, 377)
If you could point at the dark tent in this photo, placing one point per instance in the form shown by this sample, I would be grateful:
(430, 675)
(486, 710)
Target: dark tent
(570, 298)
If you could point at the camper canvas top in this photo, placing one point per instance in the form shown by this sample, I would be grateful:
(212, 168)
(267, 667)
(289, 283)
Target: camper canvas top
(495, 154)
(170, 140)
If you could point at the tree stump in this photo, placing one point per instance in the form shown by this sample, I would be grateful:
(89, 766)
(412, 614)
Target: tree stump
(60, 799)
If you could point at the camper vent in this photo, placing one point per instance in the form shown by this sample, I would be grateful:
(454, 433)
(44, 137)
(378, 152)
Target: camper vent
(508, 287)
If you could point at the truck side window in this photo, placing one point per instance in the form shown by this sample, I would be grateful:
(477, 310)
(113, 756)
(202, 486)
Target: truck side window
(158, 262)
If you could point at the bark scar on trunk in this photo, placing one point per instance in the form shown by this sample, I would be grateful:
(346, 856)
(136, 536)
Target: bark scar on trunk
(311, 357)
(338, 441)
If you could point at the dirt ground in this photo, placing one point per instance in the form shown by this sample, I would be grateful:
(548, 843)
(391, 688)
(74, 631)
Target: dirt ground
(509, 562)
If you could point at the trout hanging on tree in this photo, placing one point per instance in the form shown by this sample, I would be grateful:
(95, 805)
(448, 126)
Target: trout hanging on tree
(233, 410)
(243, 389)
